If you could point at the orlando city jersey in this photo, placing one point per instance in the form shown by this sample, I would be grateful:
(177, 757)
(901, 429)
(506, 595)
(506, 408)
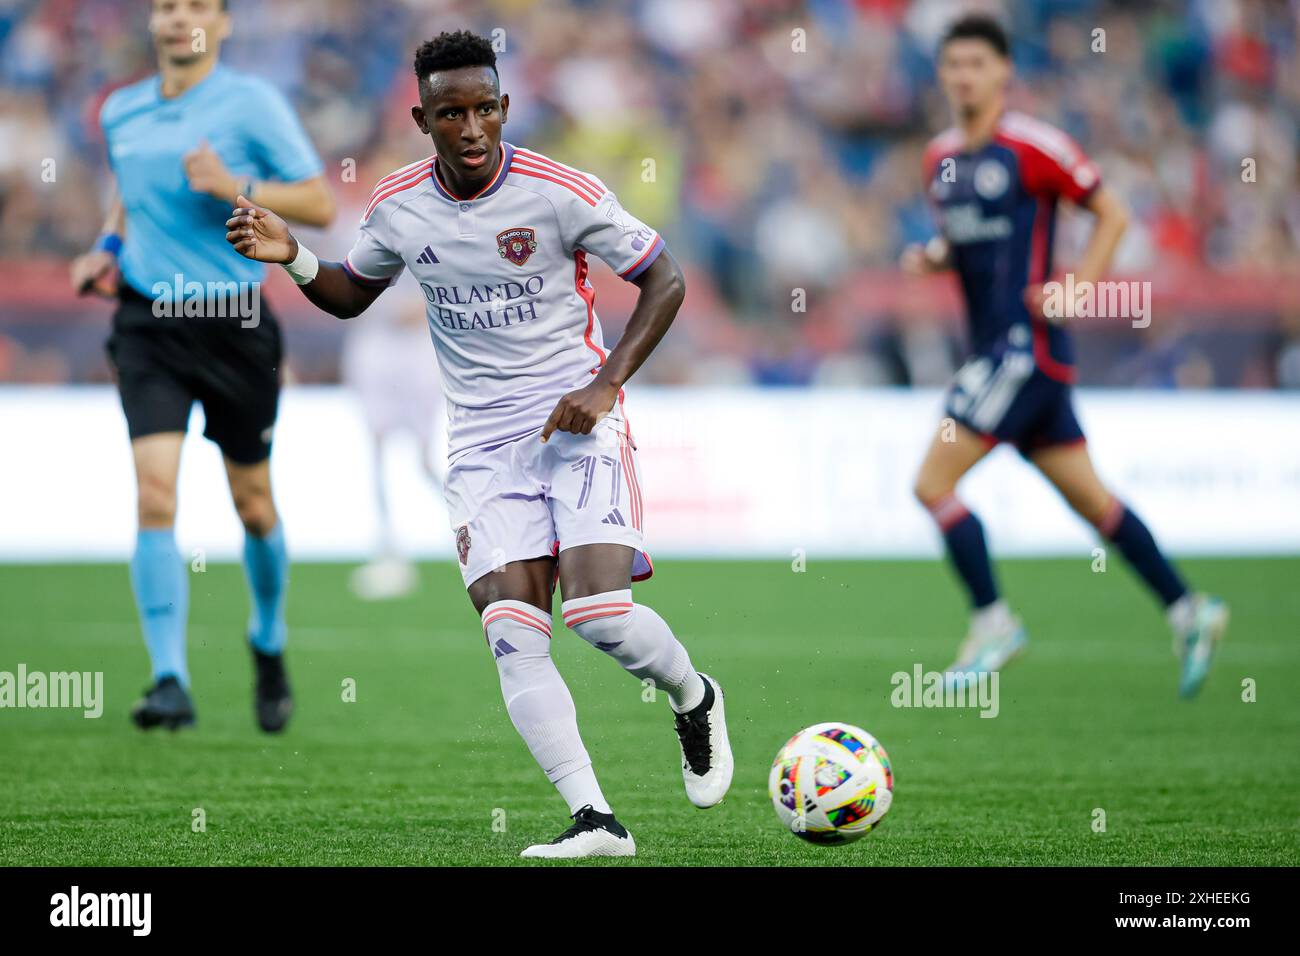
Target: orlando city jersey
(996, 207)
(504, 275)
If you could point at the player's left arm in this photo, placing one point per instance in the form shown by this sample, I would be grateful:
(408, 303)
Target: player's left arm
(1055, 167)
(663, 287)
(291, 182)
(1111, 219)
(308, 202)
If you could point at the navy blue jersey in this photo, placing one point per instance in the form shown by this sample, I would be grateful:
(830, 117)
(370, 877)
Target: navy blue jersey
(996, 206)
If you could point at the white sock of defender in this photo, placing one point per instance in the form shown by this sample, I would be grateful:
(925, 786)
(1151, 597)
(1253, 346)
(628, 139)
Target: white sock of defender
(640, 640)
(538, 700)
(994, 619)
(1182, 614)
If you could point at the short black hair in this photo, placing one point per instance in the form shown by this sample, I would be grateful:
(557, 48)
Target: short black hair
(978, 26)
(451, 51)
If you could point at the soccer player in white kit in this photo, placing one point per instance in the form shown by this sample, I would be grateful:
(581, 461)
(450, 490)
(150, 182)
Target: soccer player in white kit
(542, 465)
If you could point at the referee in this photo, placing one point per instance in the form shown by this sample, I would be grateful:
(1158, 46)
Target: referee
(190, 326)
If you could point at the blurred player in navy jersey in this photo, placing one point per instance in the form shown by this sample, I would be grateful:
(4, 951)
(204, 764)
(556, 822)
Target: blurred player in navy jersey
(182, 144)
(995, 180)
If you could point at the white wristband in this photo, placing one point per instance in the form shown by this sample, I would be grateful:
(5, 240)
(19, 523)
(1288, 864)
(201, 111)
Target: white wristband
(304, 267)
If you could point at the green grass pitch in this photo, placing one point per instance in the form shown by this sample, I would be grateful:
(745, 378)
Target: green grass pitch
(424, 767)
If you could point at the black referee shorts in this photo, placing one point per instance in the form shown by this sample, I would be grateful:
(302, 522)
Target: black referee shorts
(163, 365)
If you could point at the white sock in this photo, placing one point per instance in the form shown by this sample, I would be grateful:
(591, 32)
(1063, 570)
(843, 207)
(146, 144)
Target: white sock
(580, 789)
(1182, 613)
(640, 640)
(993, 618)
(537, 699)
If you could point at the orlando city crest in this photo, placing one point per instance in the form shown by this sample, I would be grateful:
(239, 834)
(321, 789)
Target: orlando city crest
(517, 244)
(462, 543)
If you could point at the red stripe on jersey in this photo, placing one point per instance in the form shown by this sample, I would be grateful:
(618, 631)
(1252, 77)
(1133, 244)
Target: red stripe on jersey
(588, 295)
(406, 174)
(521, 171)
(1043, 355)
(570, 178)
(403, 173)
(1038, 264)
(1039, 268)
(413, 179)
(658, 243)
(541, 160)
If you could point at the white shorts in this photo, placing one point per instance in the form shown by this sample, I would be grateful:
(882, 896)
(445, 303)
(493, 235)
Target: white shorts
(526, 499)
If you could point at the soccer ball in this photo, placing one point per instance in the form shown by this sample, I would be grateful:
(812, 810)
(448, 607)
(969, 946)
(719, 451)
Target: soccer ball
(831, 783)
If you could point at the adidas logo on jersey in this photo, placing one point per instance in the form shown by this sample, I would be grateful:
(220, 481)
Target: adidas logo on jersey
(614, 517)
(427, 257)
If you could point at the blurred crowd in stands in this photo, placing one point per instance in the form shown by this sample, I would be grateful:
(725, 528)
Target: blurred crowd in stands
(775, 144)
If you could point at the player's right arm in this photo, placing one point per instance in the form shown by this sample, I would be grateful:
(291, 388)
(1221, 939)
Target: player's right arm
(257, 233)
(94, 270)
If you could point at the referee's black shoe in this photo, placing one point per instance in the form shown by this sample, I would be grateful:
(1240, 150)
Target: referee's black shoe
(165, 704)
(272, 699)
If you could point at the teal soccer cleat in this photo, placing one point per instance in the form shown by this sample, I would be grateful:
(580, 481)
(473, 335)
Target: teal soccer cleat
(1196, 644)
(986, 653)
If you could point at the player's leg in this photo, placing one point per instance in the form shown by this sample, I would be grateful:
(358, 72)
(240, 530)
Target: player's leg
(1197, 620)
(237, 378)
(266, 568)
(148, 367)
(514, 602)
(595, 497)
(266, 559)
(596, 583)
(995, 634)
(505, 542)
(160, 583)
(598, 606)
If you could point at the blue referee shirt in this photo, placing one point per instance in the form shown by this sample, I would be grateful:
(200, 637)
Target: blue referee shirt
(171, 229)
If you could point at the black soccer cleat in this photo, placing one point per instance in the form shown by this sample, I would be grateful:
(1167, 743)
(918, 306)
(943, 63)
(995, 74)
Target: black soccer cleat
(165, 704)
(593, 834)
(272, 700)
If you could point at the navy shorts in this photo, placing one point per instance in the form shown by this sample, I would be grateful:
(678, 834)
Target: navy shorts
(1008, 398)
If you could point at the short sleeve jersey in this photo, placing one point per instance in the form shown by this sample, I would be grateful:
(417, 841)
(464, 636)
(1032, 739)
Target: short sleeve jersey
(505, 278)
(171, 229)
(996, 205)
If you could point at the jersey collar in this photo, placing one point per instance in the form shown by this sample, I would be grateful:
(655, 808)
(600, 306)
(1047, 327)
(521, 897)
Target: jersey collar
(507, 153)
(218, 70)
